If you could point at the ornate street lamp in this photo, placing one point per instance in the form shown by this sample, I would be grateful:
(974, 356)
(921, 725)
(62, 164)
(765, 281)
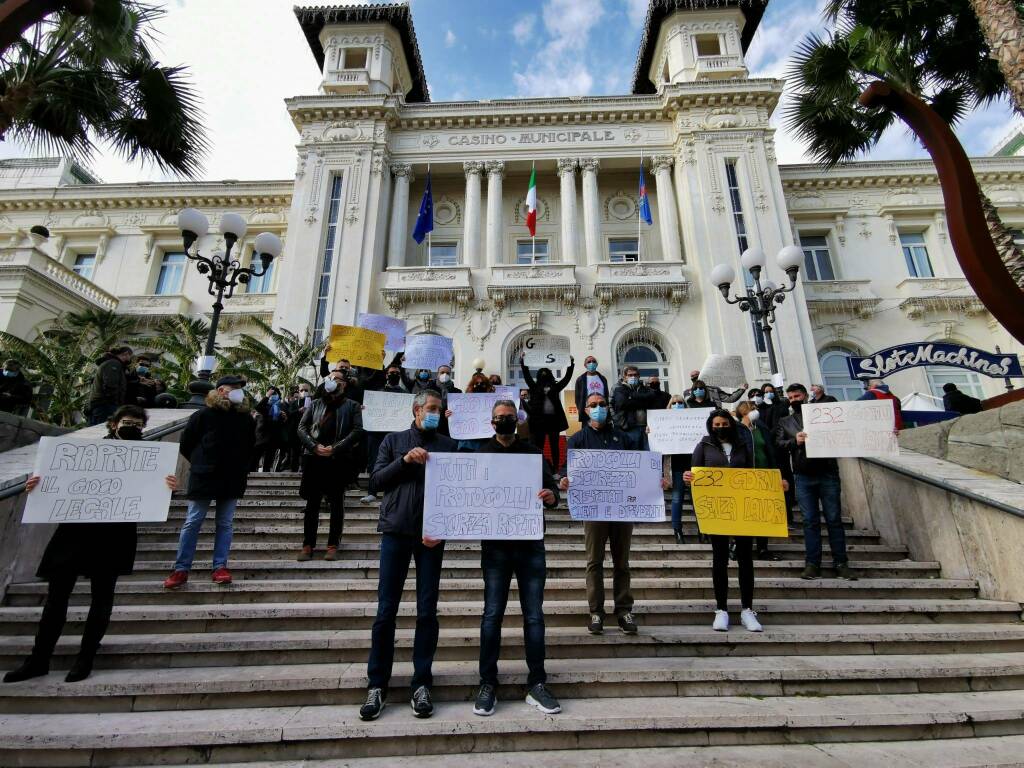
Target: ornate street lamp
(760, 299)
(223, 273)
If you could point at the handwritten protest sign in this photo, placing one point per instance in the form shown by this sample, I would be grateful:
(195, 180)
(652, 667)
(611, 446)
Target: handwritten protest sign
(359, 346)
(615, 486)
(546, 352)
(854, 429)
(471, 414)
(505, 392)
(427, 350)
(387, 411)
(723, 371)
(739, 502)
(483, 496)
(675, 431)
(101, 481)
(393, 329)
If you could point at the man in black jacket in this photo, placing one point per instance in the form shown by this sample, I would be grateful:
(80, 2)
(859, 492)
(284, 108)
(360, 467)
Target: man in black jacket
(630, 402)
(589, 383)
(109, 384)
(15, 391)
(499, 560)
(818, 395)
(400, 473)
(959, 402)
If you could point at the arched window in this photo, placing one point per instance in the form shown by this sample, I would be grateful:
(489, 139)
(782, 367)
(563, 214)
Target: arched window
(644, 349)
(513, 375)
(966, 381)
(836, 374)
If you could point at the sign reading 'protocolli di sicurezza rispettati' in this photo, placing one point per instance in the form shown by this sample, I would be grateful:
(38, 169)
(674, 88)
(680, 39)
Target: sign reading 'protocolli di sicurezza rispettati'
(888, 361)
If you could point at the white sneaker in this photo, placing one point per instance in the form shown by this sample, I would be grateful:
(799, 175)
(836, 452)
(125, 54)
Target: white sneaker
(749, 621)
(721, 621)
(368, 499)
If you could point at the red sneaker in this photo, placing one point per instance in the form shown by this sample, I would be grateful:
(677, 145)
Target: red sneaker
(176, 579)
(221, 576)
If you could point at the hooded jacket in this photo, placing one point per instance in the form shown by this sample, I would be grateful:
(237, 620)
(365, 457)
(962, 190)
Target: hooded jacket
(110, 383)
(709, 452)
(218, 441)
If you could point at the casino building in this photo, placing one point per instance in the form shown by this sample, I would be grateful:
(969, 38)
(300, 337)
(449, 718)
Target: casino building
(879, 269)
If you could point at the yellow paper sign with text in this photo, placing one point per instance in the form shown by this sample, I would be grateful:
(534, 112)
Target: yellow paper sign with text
(360, 346)
(739, 502)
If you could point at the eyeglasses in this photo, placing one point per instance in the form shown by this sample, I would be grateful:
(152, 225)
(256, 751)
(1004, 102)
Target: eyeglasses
(127, 423)
(598, 404)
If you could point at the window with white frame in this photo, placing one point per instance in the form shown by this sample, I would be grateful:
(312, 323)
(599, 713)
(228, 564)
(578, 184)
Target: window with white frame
(261, 283)
(443, 253)
(623, 249)
(817, 259)
(172, 273)
(966, 381)
(915, 252)
(836, 374)
(327, 259)
(644, 349)
(732, 180)
(532, 251)
(85, 265)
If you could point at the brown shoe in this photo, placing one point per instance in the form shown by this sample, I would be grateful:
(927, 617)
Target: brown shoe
(332, 553)
(305, 555)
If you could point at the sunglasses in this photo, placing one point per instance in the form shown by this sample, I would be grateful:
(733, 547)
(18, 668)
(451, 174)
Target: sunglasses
(598, 404)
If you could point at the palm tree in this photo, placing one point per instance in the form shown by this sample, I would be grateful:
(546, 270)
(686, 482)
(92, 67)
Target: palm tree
(281, 359)
(932, 49)
(100, 329)
(179, 339)
(74, 81)
(1002, 23)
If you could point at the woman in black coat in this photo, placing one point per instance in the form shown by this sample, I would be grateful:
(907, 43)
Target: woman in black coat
(99, 551)
(545, 414)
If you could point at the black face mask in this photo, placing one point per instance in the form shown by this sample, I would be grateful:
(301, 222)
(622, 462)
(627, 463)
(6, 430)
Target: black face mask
(393, 378)
(129, 433)
(724, 434)
(506, 425)
(655, 385)
(481, 387)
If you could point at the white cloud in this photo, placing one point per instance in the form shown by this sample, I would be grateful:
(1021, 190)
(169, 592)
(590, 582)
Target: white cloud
(522, 30)
(559, 67)
(449, 39)
(636, 10)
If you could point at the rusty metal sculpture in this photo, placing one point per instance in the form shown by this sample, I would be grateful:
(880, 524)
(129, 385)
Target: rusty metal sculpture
(968, 231)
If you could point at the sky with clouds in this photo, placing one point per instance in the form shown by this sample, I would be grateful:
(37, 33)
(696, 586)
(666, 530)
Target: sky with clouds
(247, 56)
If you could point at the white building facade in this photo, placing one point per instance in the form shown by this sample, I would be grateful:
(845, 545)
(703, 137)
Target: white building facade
(879, 267)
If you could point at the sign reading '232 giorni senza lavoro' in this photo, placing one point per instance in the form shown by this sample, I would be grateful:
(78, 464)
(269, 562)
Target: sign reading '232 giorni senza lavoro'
(886, 362)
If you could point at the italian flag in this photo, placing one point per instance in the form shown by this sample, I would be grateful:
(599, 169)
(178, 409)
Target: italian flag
(531, 204)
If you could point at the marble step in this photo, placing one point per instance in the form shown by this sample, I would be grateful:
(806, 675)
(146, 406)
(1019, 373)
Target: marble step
(240, 686)
(353, 615)
(279, 733)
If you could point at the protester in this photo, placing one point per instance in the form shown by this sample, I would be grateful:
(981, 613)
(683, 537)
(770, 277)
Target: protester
(545, 413)
(495, 380)
(589, 383)
(271, 429)
(15, 390)
(761, 446)
(355, 382)
(661, 399)
(292, 405)
(959, 402)
(716, 394)
(499, 560)
(479, 382)
(100, 552)
(879, 390)
(218, 441)
(818, 395)
(399, 473)
(445, 382)
(723, 447)
(109, 384)
(681, 463)
(773, 407)
(630, 402)
(303, 400)
(523, 425)
(143, 386)
(330, 431)
(394, 383)
(754, 396)
(817, 481)
(700, 396)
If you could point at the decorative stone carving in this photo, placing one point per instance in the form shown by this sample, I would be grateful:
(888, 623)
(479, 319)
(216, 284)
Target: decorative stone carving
(534, 320)
(343, 130)
(495, 168)
(403, 169)
(662, 162)
(543, 210)
(632, 135)
(566, 165)
(473, 167)
(620, 206)
(378, 162)
(589, 164)
(841, 229)
(447, 211)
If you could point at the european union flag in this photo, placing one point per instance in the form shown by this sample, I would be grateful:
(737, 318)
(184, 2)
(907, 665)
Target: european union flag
(425, 218)
(645, 204)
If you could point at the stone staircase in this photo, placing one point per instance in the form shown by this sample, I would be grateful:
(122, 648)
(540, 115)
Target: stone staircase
(902, 667)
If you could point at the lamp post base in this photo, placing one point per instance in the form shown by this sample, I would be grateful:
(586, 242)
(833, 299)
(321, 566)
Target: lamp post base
(198, 388)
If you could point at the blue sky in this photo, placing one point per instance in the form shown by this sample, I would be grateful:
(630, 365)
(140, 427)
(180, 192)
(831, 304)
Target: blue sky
(247, 56)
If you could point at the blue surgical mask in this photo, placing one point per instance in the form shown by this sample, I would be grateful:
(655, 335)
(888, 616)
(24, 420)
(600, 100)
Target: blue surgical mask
(632, 381)
(679, 406)
(274, 398)
(699, 393)
(141, 370)
(769, 396)
(423, 375)
(10, 374)
(431, 420)
(599, 413)
(591, 367)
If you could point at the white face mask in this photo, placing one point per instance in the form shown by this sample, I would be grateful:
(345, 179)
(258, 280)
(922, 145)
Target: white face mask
(753, 415)
(444, 378)
(237, 396)
(330, 385)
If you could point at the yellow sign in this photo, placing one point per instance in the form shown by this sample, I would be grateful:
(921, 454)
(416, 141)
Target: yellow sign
(360, 346)
(739, 502)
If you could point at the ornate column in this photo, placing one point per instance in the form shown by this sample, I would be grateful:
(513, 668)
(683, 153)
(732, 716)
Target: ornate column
(567, 183)
(591, 210)
(495, 174)
(668, 216)
(471, 231)
(399, 232)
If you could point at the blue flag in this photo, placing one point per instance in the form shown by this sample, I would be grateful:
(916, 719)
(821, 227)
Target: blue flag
(425, 218)
(645, 204)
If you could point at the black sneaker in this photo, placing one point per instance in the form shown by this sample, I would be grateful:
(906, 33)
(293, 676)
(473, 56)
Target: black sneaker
(541, 698)
(421, 703)
(628, 624)
(485, 701)
(811, 572)
(845, 572)
(30, 668)
(596, 626)
(374, 704)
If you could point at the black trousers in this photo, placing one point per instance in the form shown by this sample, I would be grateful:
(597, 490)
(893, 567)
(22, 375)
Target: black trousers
(720, 570)
(538, 437)
(55, 613)
(320, 478)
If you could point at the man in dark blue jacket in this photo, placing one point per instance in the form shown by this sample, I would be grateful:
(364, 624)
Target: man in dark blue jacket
(400, 474)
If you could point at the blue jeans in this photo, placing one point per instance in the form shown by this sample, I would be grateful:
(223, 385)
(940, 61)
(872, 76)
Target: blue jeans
(197, 509)
(680, 463)
(810, 490)
(498, 561)
(639, 437)
(395, 553)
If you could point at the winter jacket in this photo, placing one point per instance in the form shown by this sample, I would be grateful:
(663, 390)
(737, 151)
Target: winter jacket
(785, 440)
(774, 412)
(608, 438)
(401, 509)
(541, 422)
(348, 427)
(582, 394)
(747, 435)
(883, 393)
(15, 393)
(269, 430)
(824, 399)
(218, 441)
(630, 405)
(709, 453)
(109, 384)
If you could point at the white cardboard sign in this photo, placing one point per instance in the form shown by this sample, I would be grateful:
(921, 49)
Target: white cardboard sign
(471, 414)
(677, 431)
(101, 481)
(615, 486)
(725, 371)
(387, 411)
(854, 429)
(392, 327)
(428, 351)
(483, 496)
(546, 352)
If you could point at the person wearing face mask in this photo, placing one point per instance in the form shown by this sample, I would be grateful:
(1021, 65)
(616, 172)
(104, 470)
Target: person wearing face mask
(420, 382)
(357, 381)
(715, 394)
(630, 402)
(499, 561)
(761, 445)
(446, 386)
(15, 390)
(588, 383)
(479, 382)
(109, 384)
(100, 552)
(817, 482)
(544, 412)
(271, 429)
(218, 440)
(754, 396)
(699, 396)
(773, 408)
(661, 398)
(303, 399)
(330, 431)
(400, 474)
(142, 387)
(680, 464)
(723, 447)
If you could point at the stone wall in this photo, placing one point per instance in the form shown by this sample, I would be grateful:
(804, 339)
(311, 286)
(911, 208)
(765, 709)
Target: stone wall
(16, 431)
(991, 441)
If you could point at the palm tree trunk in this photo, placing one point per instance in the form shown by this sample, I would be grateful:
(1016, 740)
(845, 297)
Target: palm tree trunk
(1003, 28)
(1011, 255)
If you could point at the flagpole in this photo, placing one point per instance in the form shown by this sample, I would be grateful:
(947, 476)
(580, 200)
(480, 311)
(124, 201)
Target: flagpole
(430, 231)
(533, 236)
(639, 212)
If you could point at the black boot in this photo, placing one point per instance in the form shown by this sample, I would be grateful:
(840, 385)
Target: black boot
(679, 535)
(31, 667)
(82, 667)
